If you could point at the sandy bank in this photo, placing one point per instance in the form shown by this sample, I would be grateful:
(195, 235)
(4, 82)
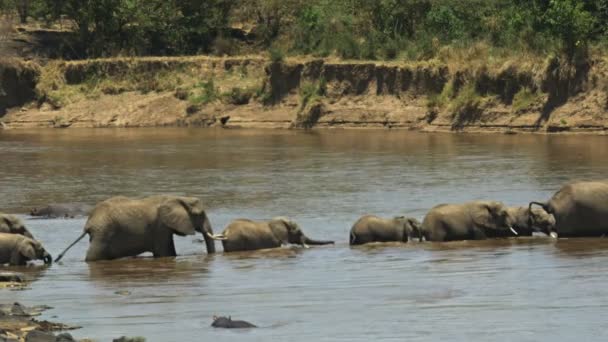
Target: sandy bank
(306, 93)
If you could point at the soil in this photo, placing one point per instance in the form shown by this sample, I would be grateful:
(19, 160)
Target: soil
(307, 93)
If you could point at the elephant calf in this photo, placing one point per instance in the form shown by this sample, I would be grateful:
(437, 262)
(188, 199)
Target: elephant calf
(12, 225)
(475, 220)
(370, 228)
(529, 220)
(247, 235)
(17, 250)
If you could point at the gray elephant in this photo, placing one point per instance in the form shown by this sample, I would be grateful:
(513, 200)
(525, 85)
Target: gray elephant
(13, 225)
(370, 228)
(247, 235)
(121, 227)
(475, 220)
(528, 220)
(62, 210)
(17, 250)
(580, 210)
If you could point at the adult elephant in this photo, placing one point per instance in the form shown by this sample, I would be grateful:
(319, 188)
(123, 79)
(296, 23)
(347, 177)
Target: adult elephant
(11, 224)
(475, 220)
(62, 210)
(580, 209)
(247, 235)
(17, 250)
(122, 226)
(370, 228)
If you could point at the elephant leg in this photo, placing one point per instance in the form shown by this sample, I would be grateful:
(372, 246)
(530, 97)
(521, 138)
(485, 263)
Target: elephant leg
(97, 252)
(436, 234)
(166, 250)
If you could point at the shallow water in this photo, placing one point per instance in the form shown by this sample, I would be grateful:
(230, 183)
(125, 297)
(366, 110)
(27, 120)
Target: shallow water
(515, 290)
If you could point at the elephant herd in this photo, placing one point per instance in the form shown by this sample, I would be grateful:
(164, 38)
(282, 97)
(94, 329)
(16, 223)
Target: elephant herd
(121, 227)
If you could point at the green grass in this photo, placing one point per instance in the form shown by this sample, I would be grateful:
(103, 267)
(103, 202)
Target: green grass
(204, 93)
(524, 99)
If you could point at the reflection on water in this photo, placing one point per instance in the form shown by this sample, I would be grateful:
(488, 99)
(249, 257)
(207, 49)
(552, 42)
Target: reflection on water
(526, 289)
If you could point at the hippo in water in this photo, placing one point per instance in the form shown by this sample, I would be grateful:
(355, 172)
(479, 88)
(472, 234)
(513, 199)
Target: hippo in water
(228, 323)
(62, 210)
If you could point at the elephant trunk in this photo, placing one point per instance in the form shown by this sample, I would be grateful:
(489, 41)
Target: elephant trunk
(27, 234)
(550, 230)
(47, 258)
(308, 241)
(207, 235)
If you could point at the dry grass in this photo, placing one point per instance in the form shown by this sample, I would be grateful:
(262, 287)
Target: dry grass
(62, 83)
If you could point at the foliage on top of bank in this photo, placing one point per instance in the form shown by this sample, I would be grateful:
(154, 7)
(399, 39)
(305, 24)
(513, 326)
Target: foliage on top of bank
(350, 29)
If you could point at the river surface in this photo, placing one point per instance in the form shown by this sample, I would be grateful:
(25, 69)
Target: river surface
(529, 289)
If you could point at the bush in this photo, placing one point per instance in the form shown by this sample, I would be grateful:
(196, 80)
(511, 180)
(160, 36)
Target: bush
(238, 96)
(571, 23)
(204, 93)
(524, 99)
(276, 55)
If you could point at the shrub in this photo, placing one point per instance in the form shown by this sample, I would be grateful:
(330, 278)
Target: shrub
(276, 55)
(204, 93)
(524, 99)
(238, 96)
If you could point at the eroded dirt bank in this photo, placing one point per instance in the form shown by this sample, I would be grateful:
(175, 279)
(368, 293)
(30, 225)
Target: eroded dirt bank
(305, 93)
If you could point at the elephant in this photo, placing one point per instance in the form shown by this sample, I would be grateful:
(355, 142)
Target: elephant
(62, 210)
(529, 220)
(476, 220)
(17, 250)
(370, 228)
(580, 209)
(228, 323)
(247, 235)
(13, 225)
(121, 226)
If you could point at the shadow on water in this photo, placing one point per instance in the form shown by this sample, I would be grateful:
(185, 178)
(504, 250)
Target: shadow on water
(148, 270)
(31, 272)
(581, 248)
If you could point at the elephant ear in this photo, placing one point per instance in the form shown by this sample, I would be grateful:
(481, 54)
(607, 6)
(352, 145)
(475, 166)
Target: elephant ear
(486, 215)
(175, 214)
(281, 228)
(27, 249)
(5, 224)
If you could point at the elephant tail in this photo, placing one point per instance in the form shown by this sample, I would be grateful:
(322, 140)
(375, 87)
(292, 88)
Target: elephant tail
(70, 246)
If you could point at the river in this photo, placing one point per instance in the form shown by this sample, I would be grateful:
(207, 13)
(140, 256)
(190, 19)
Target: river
(510, 290)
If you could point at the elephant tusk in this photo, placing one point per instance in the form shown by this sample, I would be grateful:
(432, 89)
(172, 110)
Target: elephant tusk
(305, 245)
(216, 236)
(553, 235)
(513, 230)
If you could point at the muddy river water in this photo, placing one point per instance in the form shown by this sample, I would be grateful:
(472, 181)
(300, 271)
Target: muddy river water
(511, 290)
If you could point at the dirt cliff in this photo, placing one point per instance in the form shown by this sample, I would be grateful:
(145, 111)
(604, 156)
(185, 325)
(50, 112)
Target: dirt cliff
(549, 96)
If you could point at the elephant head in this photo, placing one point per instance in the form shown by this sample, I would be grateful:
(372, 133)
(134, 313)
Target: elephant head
(411, 227)
(185, 216)
(494, 215)
(290, 232)
(30, 249)
(541, 219)
(11, 224)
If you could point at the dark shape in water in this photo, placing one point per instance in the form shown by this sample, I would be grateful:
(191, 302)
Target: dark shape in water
(228, 323)
(62, 210)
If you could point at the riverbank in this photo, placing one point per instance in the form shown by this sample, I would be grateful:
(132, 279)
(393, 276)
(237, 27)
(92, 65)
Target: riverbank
(254, 92)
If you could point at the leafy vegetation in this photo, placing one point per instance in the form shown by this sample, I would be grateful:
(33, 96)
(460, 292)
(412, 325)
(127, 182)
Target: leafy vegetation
(350, 29)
